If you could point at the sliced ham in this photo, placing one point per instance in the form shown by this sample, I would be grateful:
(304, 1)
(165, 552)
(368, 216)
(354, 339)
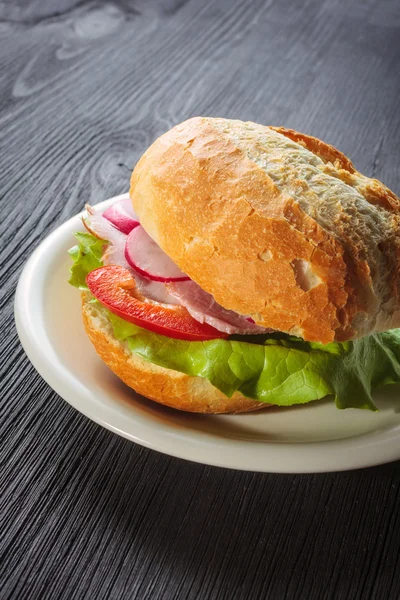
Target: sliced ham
(202, 306)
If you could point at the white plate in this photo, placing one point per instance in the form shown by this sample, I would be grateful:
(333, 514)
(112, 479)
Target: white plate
(311, 438)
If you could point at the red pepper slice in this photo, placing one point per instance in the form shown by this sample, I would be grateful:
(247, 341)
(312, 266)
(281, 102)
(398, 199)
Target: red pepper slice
(115, 288)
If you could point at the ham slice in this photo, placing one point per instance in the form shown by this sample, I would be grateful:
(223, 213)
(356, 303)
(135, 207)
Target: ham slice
(202, 306)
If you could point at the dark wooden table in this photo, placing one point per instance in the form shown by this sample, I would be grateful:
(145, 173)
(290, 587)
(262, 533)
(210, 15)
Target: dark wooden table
(84, 89)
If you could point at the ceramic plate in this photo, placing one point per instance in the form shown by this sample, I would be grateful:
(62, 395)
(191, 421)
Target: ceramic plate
(310, 438)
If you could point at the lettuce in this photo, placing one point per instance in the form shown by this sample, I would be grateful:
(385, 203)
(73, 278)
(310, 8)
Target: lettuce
(279, 370)
(276, 368)
(86, 256)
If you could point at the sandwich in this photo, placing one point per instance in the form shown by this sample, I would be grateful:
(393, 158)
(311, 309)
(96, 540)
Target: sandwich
(249, 266)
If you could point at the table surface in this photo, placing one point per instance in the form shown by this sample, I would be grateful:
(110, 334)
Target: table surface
(85, 87)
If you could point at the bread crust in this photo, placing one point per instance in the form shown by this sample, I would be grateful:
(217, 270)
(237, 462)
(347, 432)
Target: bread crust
(165, 386)
(245, 239)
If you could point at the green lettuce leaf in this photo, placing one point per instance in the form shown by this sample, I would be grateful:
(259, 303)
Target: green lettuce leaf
(274, 368)
(86, 256)
(279, 370)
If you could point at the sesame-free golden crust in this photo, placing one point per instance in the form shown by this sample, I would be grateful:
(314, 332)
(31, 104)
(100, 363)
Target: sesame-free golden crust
(325, 151)
(165, 386)
(376, 193)
(224, 222)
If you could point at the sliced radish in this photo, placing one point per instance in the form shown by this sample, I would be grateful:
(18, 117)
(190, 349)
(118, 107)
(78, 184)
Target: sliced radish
(122, 215)
(155, 290)
(143, 255)
(114, 254)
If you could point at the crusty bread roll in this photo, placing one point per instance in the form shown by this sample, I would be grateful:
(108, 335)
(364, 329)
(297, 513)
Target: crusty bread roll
(275, 225)
(192, 394)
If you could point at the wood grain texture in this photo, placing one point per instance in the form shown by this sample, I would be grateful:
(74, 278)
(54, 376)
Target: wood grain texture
(84, 88)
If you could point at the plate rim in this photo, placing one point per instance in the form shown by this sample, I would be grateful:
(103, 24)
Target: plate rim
(368, 449)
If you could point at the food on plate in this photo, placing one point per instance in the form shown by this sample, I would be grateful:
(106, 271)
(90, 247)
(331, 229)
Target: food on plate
(249, 266)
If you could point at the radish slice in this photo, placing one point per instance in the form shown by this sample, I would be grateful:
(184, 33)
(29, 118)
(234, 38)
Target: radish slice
(114, 254)
(122, 215)
(143, 255)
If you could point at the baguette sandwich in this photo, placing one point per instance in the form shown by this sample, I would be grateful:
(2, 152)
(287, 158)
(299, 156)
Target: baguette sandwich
(249, 266)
